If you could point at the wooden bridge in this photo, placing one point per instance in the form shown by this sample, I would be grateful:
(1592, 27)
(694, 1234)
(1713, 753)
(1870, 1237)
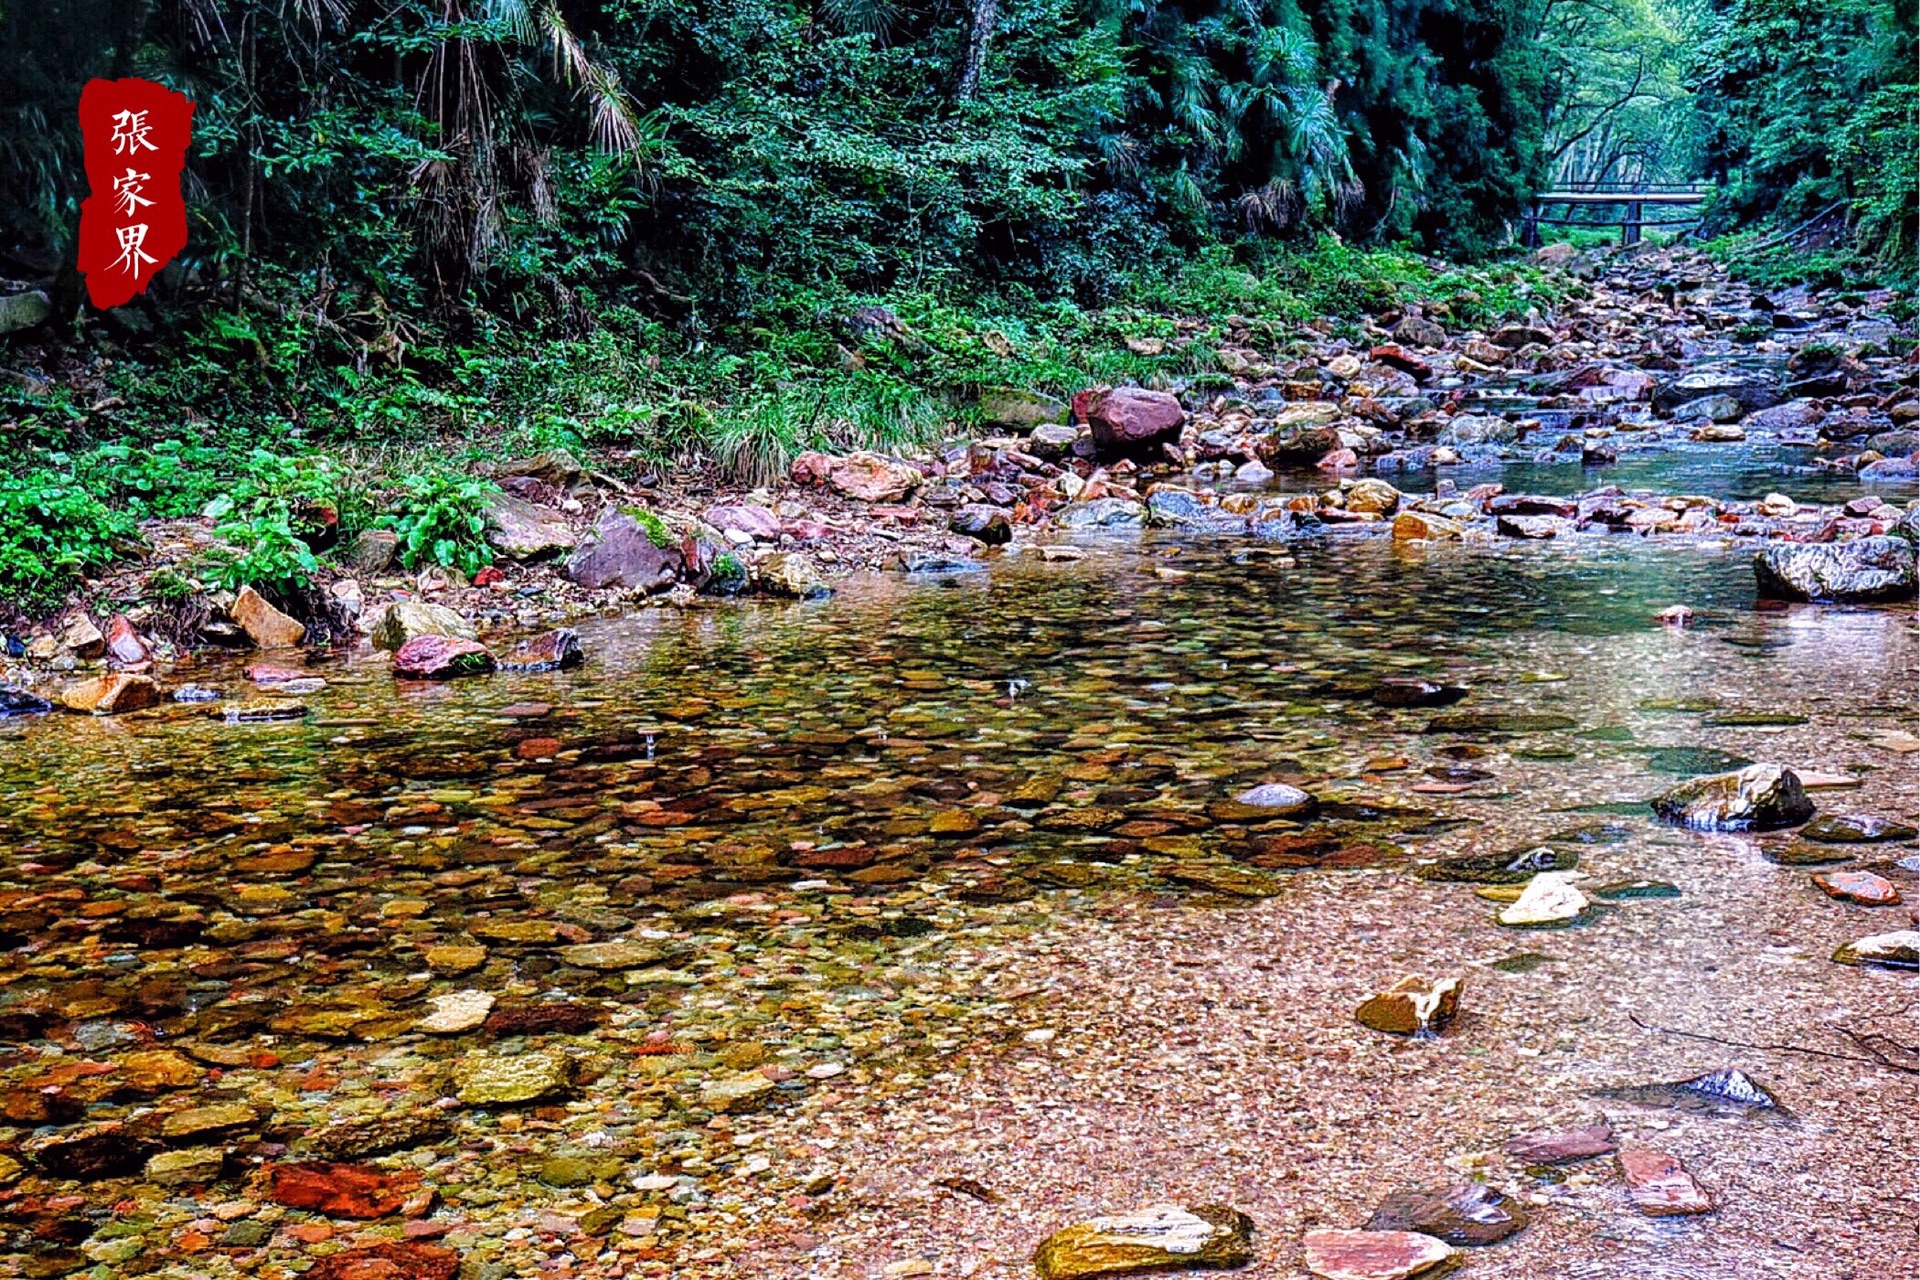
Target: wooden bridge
(1633, 198)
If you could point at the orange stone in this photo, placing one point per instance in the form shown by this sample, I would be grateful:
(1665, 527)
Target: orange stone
(1863, 887)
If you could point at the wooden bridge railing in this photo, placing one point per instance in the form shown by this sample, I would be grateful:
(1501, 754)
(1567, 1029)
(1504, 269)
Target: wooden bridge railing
(1632, 197)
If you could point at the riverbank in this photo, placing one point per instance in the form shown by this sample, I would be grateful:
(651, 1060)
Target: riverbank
(1411, 426)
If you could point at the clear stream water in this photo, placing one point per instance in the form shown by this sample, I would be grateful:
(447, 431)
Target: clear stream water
(1051, 729)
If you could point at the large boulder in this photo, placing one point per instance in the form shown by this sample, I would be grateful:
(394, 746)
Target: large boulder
(24, 310)
(265, 625)
(402, 620)
(1760, 797)
(1418, 331)
(1131, 421)
(1866, 569)
(870, 477)
(627, 552)
(1753, 390)
(521, 530)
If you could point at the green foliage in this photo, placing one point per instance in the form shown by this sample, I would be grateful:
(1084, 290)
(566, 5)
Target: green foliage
(260, 515)
(51, 531)
(442, 520)
(269, 554)
(655, 528)
(1810, 104)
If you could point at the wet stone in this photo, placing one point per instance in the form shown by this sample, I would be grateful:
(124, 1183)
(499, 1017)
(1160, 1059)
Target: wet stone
(1233, 881)
(1417, 693)
(341, 1190)
(440, 658)
(1627, 890)
(1689, 761)
(1499, 868)
(1471, 722)
(610, 956)
(1549, 899)
(90, 1153)
(556, 650)
(1898, 950)
(1809, 855)
(487, 1079)
(1465, 1214)
(1725, 1090)
(1412, 1006)
(1276, 799)
(1855, 828)
(1760, 797)
(738, 1095)
(18, 702)
(1862, 888)
(198, 1122)
(1659, 1186)
(1562, 1147)
(1161, 1237)
(389, 1260)
(455, 1012)
(1374, 1255)
(189, 1167)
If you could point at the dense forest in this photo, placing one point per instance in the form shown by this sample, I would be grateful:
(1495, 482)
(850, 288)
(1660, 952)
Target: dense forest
(731, 226)
(412, 158)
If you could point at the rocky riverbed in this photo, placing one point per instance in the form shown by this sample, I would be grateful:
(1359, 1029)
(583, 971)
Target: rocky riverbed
(894, 930)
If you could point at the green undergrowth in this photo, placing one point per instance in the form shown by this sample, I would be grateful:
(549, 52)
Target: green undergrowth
(263, 426)
(1747, 256)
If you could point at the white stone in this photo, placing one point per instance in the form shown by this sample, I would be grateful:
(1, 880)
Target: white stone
(1549, 898)
(455, 1012)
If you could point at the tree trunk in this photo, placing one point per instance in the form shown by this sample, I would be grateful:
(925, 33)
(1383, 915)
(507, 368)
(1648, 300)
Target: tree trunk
(985, 14)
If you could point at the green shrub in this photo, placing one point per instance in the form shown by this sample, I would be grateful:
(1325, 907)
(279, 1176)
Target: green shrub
(51, 531)
(442, 520)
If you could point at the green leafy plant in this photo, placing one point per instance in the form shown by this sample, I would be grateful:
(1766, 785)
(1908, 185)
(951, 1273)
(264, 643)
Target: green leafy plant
(52, 531)
(442, 520)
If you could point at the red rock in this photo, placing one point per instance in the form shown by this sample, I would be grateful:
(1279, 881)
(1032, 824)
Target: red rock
(266, 673)
(1130, 420)
(389, 1260)
(488, 576)
(870, 477)
(755, 522)
(1659, 1187)
(537, 748)
(124, 646)
(341, 1190)
(1560, 1148)
(1373, 1255)
(441, 658)
(1398, 357)
(1338, 460)
(811, 468)
(1862, 887)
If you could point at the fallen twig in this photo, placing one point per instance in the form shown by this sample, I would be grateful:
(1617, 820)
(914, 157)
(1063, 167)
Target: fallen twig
(1874, 1056)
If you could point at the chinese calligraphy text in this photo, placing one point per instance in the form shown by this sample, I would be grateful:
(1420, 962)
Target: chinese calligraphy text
(135, 221)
